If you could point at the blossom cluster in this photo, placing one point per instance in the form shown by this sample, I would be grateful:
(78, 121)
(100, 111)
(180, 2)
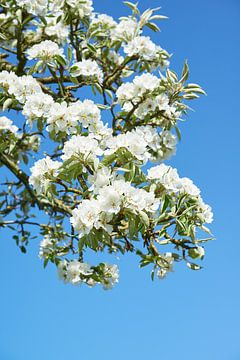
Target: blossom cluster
(76, 273)
(7, 125)
(102, 96)
(111, 199)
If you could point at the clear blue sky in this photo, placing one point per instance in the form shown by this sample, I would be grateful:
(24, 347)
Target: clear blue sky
(190, 315)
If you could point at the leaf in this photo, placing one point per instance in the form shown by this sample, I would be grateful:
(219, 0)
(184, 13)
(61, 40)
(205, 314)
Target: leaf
(69, 54)
(152, 26)
(132, 6)
(193, 266)
(185, 73)
(91, 48)
(60, 60)
(178, 132)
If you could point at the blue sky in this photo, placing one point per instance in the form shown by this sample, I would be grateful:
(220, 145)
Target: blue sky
(190, 314)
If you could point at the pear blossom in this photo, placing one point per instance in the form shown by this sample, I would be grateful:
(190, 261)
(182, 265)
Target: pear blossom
(42, 172)
(37, 106)
(142, 46)
(7, 125)
(87, 68)
(45, 51)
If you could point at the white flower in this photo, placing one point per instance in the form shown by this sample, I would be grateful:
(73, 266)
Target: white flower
(167, 265)
(62, 267)
(206, 211)
(165, 175)
(46, 246)
(35, 7)
(74, 271)
(24, 86)
(87, 68)
(81, 7)
(167, 145)
(109, 200)
(85, 216)
(134, 91)
(37, 106)
(115, 58)
(126, 92)
(81, 146)
(64, 117)
(199, 251)
(111, 273)
(45, 51)
(162, 101)
(42, 172)
(7, 78)
(87, 112)
(141, 46)
(103, 20)
(56, 29)
(7, 125)
(186, 185)
(148, 106)
(125, 30)
(146, 82)
(100, 178)
(131, 141)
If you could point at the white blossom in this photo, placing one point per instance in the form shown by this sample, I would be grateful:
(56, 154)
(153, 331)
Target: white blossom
(103, 20)
(81, 7)
(45, 51)
(35, 7)
(125, 30)
(85, 216)
(81, 146)
(141, 46)
(24, 86)
(37, 106)
(87, 68)
(101, 177)
(46, 246)
(111, 276)
(42, 172)
(206, 211)
(7, 125)
(74, 271)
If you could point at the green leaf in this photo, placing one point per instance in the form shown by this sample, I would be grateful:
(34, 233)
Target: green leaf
(132, 6)
(60, 60)
(91, 48)
(152, 26)
(193, 266)
(185, 73)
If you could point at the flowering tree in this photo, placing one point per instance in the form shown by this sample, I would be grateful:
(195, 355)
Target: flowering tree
(98, 114)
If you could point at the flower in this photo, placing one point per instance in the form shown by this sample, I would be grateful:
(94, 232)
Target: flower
(37, 106)
(35, 7)
(87, 68)
(81, 147)
(42, 172)
(111, 276)
(81, 7)
(141, 46)
(74, 271)
(46, 246)
(85, 216)
(24, 86)
(125, 30)
(45, 51)
(7, 125)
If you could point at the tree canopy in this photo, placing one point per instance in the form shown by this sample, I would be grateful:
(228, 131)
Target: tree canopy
(91, 111)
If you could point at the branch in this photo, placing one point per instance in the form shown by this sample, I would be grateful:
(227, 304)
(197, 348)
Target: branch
(57, 205)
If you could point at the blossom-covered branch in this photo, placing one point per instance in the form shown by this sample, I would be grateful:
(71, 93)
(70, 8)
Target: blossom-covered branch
(91, 111)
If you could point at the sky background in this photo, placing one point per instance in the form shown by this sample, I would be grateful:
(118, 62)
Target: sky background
(190, 315)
